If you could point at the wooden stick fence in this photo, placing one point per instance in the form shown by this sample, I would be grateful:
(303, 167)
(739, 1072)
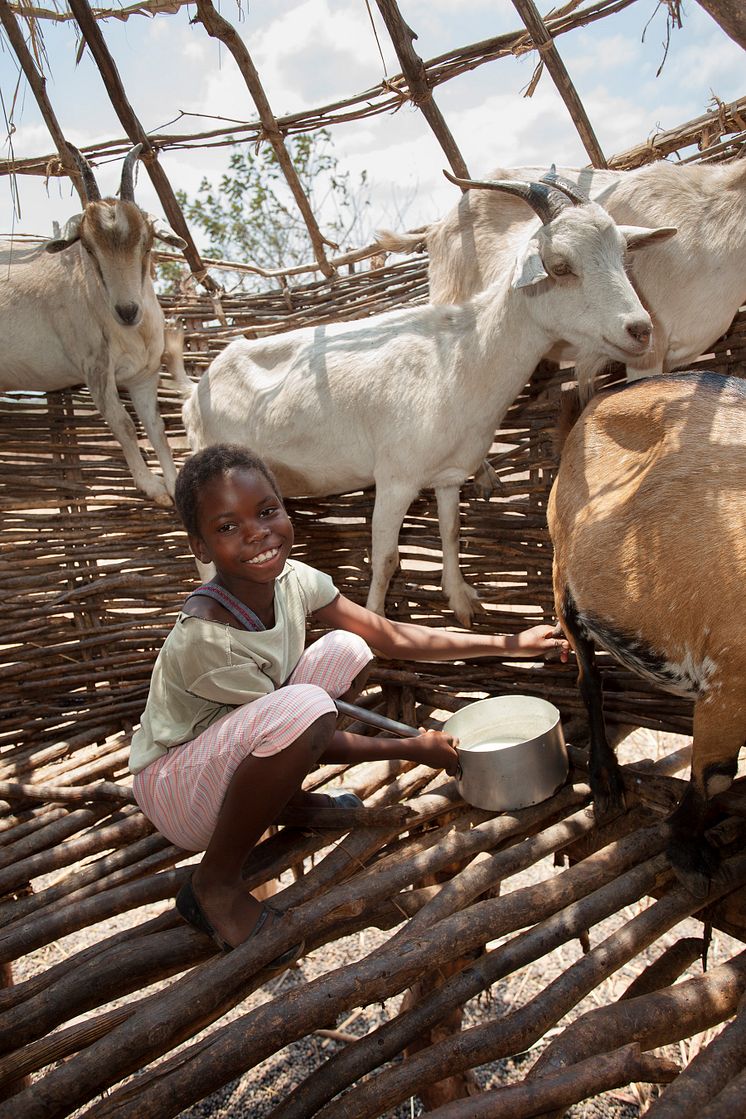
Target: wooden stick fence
(119, 1008)
(92, 580)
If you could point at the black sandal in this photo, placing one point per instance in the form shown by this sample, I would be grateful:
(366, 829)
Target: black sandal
(193, 913)
(343, 798)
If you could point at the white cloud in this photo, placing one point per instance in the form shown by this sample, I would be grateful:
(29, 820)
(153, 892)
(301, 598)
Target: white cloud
(308, 52)
(594, 54)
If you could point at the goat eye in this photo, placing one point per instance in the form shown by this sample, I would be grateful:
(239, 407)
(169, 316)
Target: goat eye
(561, 268)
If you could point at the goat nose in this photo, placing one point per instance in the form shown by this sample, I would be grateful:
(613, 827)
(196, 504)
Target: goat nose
(128, 312)
(641, 331)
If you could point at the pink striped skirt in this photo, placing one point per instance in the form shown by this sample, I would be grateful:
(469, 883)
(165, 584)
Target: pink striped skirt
(182, 792)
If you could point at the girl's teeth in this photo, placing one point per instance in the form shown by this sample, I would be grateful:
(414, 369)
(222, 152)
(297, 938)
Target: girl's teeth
(264, 556)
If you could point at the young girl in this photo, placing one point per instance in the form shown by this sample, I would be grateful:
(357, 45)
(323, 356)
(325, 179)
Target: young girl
(239, 711)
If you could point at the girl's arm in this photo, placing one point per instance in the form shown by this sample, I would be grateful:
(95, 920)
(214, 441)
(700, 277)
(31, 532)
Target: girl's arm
(405, 640)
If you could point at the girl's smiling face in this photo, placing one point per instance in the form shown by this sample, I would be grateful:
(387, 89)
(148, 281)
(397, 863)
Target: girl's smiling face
(243, 528)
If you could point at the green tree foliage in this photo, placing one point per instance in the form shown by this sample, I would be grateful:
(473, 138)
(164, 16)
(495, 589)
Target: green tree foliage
(251, 216)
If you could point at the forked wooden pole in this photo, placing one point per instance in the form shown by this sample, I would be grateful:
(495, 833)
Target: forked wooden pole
(549, 54)
(94, 39)
(38, 84)
(220, 28)
(420, 90)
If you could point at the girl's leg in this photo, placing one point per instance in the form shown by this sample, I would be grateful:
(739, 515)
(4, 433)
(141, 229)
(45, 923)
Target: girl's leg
(183, 791)
(258, 791)
(339, 662)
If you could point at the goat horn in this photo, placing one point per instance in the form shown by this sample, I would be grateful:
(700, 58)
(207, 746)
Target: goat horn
(573, 192)
(127, 185)
(90, 186)
(546, 202)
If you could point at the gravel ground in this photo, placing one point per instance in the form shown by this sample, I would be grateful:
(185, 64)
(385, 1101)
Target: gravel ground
(253, 1095)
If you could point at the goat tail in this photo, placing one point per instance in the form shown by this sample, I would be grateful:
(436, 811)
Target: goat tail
(173, 357)
(390, 242)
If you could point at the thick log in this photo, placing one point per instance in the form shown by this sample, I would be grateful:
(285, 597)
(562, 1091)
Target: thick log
(659, 1018)
(527, 1025)
(102, 791)
(562, 1089)
(44, 980)
(48, 833)
(139, 961)
(668, 967)
(517, 910)
(123, 829)
(134, 861)
(727, 1102)
(731, 16)
(720, 1061)
(56, 1047)
(45, 927)
(387, 970)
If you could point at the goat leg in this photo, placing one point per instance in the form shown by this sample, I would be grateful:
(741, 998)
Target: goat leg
(719, 732)
(603, 769)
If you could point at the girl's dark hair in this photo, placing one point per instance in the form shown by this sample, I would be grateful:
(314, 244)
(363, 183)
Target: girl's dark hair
(206, 465)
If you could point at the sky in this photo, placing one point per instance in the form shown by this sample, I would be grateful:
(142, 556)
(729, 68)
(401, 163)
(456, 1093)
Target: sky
(310, 52)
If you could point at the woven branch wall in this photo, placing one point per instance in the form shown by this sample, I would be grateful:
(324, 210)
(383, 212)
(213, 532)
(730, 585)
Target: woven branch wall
(92, 577)
(93, 574)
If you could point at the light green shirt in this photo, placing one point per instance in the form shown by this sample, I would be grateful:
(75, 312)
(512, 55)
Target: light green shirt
(206, 669)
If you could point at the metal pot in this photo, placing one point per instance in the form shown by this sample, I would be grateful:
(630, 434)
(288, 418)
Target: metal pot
(511, 749)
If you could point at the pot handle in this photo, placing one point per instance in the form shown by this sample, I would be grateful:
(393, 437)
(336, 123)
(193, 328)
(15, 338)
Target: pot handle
(375, 720)
(382, 723)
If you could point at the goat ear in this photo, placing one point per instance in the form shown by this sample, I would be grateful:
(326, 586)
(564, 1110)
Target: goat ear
(70, 234)
(639, 238)
(164, 233)
(529, 267)
(58, 246)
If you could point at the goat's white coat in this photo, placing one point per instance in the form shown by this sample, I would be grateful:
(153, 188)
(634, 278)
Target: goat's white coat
(60, 328)
(692, 285)
(412, 399)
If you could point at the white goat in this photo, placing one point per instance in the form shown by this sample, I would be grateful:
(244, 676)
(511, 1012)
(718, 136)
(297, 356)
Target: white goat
(692, 286)
(82, 309)
(412, 399)
(647, 520)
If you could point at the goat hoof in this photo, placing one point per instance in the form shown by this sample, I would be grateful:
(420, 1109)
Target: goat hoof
(487, 482)
(608, 808)
(608, 797)
(464, 605)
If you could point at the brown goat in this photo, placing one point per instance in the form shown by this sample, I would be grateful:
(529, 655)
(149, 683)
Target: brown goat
(648, 520)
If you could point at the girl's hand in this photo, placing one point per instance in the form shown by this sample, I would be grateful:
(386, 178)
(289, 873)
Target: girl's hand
(539, 640)
(437, 750)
